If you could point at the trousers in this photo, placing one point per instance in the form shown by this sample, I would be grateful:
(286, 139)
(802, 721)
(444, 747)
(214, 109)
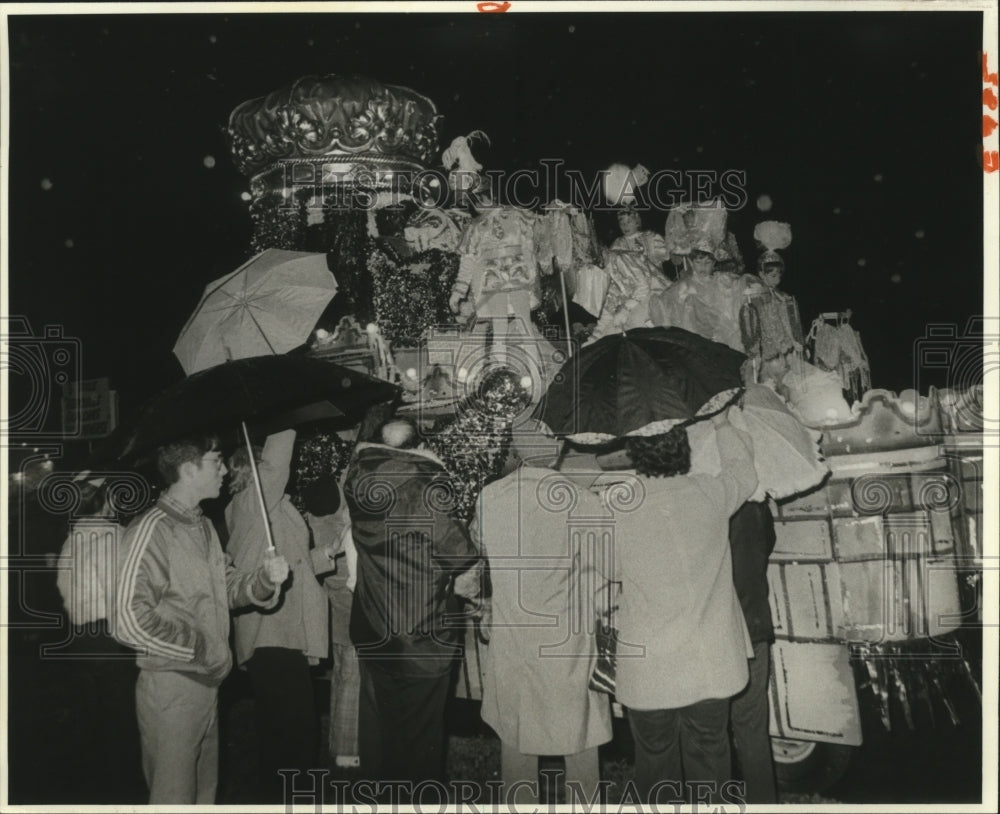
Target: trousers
(345, 692)
(748, 715)
(104, 677)
(689, 744)
(519, 773)
(401, 724)
(285, 715)
(179, 734)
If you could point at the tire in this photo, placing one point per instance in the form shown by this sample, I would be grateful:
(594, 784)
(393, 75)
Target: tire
(807, 766)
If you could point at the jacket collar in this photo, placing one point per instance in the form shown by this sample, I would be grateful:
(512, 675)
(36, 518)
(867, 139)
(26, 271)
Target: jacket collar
(385, 448)
(177, 511)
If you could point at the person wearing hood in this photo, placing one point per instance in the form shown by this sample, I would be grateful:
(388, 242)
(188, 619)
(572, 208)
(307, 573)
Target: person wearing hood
(414, 564)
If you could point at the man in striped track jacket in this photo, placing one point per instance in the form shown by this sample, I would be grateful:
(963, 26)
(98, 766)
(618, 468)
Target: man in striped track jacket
(174, 595)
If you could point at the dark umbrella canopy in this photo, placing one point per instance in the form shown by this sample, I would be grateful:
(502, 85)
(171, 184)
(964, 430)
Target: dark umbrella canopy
(253, 389)
(640, 381)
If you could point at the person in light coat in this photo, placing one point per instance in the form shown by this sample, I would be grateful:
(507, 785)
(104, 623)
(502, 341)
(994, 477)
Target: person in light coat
(542, 650)
(278, 646)
(678, 603)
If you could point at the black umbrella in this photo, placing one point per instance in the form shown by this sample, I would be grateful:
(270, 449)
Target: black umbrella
(643, 381)
(259, 388)
(255, 388)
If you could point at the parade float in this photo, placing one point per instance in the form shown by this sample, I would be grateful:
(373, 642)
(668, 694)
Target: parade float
(873, 570)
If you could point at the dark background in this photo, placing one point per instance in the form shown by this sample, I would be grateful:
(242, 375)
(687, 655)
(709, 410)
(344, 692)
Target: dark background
(863, 128)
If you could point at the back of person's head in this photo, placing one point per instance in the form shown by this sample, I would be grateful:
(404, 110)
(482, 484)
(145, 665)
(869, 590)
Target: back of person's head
(660, 456)
(241, 474)
(391, 220)
(170, 457)
(400, 433)
(94, 500)
(320, 497)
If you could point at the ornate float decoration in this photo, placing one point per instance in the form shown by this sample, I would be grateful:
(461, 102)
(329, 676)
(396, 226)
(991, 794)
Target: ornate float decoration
(345, 143)
(333, 128)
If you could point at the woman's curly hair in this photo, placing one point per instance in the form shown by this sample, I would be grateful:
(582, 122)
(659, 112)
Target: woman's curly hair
(241, 475)
(660, 456)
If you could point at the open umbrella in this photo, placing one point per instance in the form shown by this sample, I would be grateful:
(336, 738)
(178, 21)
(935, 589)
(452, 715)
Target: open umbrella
(242, 390)
(640, 382)
(270, 304)
(786, 455)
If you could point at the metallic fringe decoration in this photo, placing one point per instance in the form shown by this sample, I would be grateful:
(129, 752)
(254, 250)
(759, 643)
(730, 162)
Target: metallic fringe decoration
(474, 446)
(277, 222)
(320, 455)
(411, 294)
(901, 672)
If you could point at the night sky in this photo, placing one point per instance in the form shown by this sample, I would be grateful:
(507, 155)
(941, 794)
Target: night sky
(863, 128)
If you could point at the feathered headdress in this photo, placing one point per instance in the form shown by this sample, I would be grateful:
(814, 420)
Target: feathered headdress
(772, 235)
(461, 164)
(459, 156)
(620, 183)
(709, 224)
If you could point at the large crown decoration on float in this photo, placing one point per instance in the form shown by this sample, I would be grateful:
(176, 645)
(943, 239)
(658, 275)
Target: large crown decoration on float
(329, 130)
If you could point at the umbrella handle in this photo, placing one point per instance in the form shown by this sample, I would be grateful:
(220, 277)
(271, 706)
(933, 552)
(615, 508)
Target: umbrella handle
(260, 490)
(562, 284)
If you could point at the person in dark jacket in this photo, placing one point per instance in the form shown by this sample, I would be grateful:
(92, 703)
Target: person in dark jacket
(414, 562)
(751, 539)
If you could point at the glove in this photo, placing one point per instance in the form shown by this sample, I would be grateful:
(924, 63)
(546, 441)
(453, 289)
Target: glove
(276, 568)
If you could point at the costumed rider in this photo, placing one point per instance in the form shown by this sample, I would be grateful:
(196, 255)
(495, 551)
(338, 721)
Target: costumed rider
(772, 338)
(497, 283)
(706, 301)
(689, 225)
(769, 319)
(634, 264)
